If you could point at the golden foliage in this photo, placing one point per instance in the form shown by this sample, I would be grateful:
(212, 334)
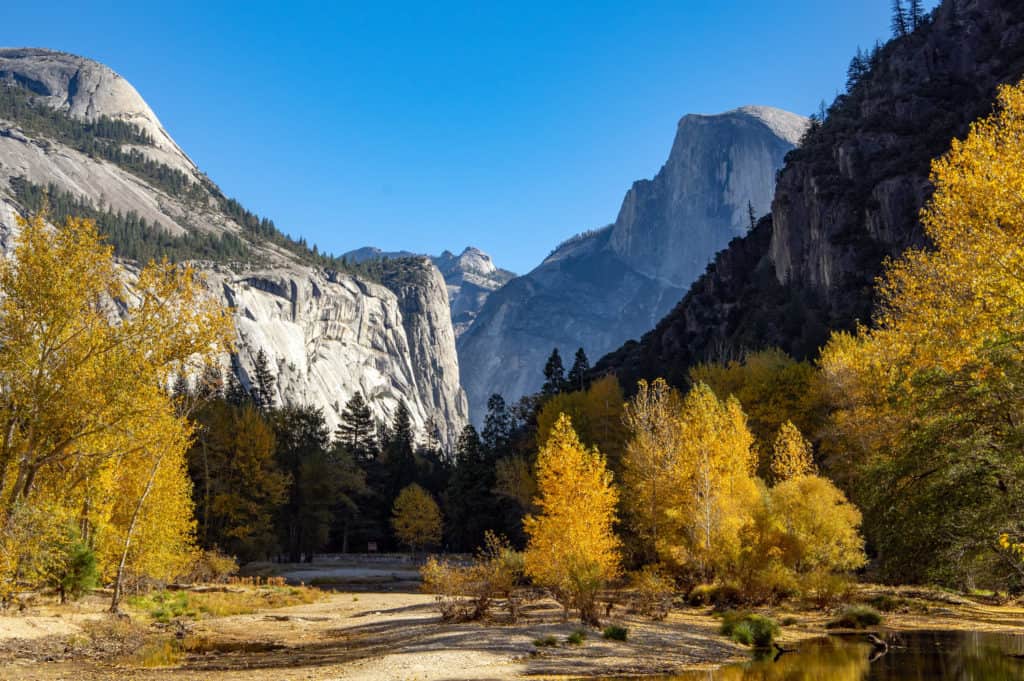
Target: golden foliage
(652, 417)
(416, 518)
(711, 484)
(88, 429)
(596, 415)
(572, 547)
(773, 388)
(792, 455)
(925, 403)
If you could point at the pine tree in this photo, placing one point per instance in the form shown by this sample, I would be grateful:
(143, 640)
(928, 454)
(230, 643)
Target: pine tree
(498, 426)
(469, 501)
(858, 69)
(751, 216)
(357, 431)
(235, 393)
(900, 20)
(554, 375)
(210, 385)
(916, 14)
(181, 388)
(578, 372)
(263, 388)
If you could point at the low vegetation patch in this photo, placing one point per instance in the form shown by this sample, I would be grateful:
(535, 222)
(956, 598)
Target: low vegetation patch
(613, 632)
(577, 637)
(654, 591)
(164, 606)
(468, 592)
(856, 617)
(546, 642)
(749, 629)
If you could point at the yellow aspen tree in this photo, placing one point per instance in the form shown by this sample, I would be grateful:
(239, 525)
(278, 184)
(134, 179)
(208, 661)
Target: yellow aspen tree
(572, 547)
(652, 419)
(926, 402)
(713, 484)
(792, 455)
(87, 349)
(416, 518)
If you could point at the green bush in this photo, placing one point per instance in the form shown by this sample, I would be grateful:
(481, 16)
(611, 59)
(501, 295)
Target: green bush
(76, 573)
(615, 633)
(856, 617)
(546, 642)
(577, 637)
(749, 629)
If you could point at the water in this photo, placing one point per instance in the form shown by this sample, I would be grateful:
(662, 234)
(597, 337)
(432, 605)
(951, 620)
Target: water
(917, 656)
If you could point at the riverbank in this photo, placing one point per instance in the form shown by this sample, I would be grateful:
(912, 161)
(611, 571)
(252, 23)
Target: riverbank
(380, 635)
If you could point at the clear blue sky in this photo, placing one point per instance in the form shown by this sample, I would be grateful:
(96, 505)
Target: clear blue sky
(425, 126)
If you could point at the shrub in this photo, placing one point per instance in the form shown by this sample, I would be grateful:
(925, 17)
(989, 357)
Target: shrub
(653, 593)
(749, 629)
(856, 617)
(75, 573)
(213, 567)
(720, 595)
(614, 632)
(469, 592)
(577, 637)
(702, 594)
(887, 603)
(546, 642)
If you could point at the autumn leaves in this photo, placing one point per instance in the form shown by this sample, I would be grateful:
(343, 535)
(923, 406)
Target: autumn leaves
(93, 443)
(691, 503)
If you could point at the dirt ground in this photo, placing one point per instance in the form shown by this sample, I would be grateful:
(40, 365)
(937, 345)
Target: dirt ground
(377, 635)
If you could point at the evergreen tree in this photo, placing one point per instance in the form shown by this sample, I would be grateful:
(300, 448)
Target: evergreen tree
(578, 372)
(554, 375)
(470, 504)
(499, 425)
(859, 67)
(399, 459)
(357, 432)
(235, 393)
(324, 478)
(210, 385)
(916, 14)
(180, 388)
(900, 20)
(751, 215)
(263, 382)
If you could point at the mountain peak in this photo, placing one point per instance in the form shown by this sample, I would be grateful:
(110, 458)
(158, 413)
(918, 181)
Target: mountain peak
(87, 89)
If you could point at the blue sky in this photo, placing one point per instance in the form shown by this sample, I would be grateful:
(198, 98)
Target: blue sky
(425, 126)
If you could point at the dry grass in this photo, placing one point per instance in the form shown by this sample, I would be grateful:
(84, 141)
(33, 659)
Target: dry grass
(164, 606)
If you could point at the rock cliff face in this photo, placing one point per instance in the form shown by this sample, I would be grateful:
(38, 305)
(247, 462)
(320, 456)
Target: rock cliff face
(600, 288)
(846, 200)
(327, 334)
(470, 277)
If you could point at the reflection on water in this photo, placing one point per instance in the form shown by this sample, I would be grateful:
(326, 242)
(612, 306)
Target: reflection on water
(946, 656)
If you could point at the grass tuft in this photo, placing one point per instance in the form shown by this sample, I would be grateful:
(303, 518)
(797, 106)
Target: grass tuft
(856, 617)
(613, 632)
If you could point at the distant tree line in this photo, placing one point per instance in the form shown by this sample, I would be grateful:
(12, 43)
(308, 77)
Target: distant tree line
(132, 236)
(272, 481)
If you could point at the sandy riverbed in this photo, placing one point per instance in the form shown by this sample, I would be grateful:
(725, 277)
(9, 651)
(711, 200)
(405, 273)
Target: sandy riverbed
(382, 636)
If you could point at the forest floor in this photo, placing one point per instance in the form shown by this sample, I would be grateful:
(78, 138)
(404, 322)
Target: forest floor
(385, 630)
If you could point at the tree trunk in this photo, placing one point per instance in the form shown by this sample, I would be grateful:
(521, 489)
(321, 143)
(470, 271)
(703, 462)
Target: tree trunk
(115, 600)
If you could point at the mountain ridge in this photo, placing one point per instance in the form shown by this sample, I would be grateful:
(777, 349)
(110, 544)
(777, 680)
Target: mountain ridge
(599, 288)
(72, 123)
